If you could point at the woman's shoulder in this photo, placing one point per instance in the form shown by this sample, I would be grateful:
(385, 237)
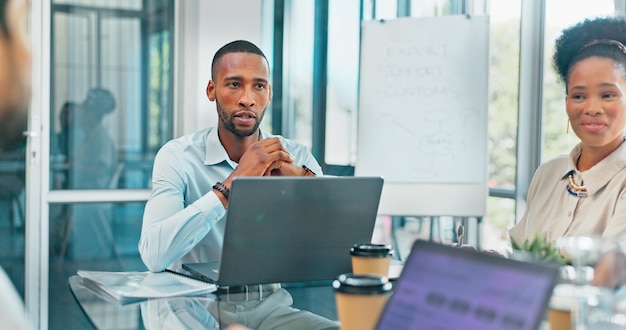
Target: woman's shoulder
(552, 170)
(557, 163)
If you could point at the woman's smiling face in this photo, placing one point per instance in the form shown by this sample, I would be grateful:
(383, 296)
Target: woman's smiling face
(596, 102)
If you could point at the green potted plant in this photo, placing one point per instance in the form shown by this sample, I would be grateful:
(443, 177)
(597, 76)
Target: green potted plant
(539, 249)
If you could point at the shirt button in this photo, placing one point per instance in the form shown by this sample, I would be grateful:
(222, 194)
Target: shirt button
(218, 218)
(569, 214)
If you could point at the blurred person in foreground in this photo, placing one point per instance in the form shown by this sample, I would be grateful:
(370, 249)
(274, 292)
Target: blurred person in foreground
(584, 193)
(15, 70)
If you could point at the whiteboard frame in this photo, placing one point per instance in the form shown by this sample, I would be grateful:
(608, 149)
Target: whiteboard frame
(459, 200)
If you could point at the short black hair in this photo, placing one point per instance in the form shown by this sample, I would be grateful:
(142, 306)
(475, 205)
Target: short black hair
(237, 46)
(597, 37)
(3, 17)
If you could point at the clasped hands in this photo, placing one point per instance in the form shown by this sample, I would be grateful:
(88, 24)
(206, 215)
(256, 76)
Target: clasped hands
(267, 157)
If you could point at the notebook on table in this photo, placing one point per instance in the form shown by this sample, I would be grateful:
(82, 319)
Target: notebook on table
(292, 229)
(445, 287)
(129, 287)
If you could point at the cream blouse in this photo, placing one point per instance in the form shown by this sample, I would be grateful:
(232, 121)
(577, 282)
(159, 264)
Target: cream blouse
(553, 212)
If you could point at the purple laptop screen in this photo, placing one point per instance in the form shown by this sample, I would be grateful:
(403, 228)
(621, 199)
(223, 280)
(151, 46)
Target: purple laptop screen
(443, 287)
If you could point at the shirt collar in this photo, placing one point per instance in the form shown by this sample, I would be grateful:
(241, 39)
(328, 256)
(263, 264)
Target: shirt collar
(599, 175)
(215, 152)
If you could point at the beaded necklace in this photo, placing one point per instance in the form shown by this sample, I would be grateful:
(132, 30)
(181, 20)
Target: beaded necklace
(578, 190)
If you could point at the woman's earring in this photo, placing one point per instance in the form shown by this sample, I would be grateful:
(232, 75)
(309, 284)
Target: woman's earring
(567, 127)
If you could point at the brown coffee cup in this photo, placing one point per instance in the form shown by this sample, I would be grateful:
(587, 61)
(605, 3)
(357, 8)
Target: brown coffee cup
(370, 258)
(559, 319)
(562, 302)
(565, 305)
(360, 299)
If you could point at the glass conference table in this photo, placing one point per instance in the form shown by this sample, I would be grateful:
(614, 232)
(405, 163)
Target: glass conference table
(187, 312)
(193, 312)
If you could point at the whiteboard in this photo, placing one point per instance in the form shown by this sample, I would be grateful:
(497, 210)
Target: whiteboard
(423, 102)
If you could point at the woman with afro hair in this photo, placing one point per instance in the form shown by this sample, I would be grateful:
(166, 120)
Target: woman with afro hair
(584, 193)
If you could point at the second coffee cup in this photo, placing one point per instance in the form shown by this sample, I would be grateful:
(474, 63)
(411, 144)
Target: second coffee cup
(370, 258)
(360, 299)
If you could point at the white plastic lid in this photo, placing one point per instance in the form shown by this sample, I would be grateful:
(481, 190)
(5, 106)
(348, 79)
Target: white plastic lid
(565, 296)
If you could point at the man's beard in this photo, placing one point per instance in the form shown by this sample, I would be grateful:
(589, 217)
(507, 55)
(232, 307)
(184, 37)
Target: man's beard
(13, 122)
(227, 120)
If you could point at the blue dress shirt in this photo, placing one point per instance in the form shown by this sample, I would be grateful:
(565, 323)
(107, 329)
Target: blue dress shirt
(181, 221)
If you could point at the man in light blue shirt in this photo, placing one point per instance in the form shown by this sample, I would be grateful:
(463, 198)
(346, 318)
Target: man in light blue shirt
(184, 218)
(181, 221)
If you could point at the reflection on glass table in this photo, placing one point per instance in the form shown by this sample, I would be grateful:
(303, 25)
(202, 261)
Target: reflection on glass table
(583, 251)
(605, 310)
(313, 308)
(606, 260)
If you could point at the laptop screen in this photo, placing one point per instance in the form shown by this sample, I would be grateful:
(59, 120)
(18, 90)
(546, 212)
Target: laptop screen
(444, 287)
(294, 229)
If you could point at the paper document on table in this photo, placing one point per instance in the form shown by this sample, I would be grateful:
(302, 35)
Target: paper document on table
(128, 287)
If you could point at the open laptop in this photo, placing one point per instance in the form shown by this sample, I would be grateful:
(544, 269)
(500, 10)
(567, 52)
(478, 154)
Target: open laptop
(292, 229)
(445, 287)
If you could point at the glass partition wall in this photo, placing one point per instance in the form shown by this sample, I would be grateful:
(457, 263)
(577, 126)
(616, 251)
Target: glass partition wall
(110, 111)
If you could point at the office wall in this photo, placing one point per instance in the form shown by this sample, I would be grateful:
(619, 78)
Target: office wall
(203, 27)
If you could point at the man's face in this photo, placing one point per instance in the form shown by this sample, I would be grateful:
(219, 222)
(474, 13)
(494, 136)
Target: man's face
(15, 70)
(241, 91)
